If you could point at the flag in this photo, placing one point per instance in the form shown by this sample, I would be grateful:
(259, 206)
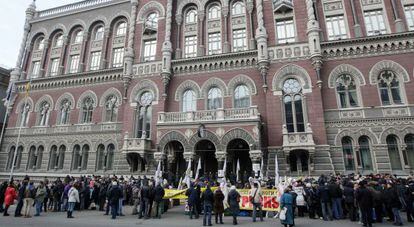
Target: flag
(198, 168)
(180, 187)
(224, 169)
(261, 170)
(238, 170)
(158, 173)
(8, 94)
(276, 171)
(187, 178)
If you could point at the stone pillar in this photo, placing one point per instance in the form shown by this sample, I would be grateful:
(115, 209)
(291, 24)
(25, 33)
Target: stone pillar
(129, 52)
(43, 65)
(178, 51)
(252, 41)
(63, 55)
(261, 39)
(314, 41)
(105, 42)
(200, 32)
(226, 44)
(357, 26)
(399, 24)
(256, 157)
(167, 50)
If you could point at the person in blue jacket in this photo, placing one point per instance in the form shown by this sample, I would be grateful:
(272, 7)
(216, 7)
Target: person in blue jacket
(286, 201)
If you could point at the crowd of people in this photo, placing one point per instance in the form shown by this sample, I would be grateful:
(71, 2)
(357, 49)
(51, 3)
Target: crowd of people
(367, 199)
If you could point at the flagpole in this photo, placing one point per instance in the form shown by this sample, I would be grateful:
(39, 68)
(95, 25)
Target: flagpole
(4, 123)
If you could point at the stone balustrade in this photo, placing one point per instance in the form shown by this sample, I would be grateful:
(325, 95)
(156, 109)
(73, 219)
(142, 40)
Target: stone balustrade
(250, 113)
(136, 145)
(298, 140)
(73, 7)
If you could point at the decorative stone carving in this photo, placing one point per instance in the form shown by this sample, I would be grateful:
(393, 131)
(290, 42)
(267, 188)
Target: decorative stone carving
(241, 79)
(188, 84)
(345, 69)
(291, 70)
(381, 66)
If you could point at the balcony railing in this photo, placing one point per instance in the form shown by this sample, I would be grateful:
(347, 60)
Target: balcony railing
(250, 113)
(72, 7)
(282, 5)
(298, 140)
(136, 145)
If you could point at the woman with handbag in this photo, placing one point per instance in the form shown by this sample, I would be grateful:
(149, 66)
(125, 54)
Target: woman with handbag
(286, 209)
(233, 201)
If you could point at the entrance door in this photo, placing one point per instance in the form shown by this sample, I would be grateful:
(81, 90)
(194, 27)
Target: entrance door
(206, 150)
(238, 150)
(177, 165)
(299, 162)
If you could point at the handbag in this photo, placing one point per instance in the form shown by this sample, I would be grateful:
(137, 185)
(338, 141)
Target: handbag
(282, 215)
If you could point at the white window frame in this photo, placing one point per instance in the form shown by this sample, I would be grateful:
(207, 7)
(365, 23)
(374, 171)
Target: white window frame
(214, 43)
(121, 29)
(95, 61)
(336, 27)
(54, 66)
(150, 50)
(99, 33)
(239, 40)
(283, 27)
(35, 69)
(78, 37)
(190, 46)
(118, 57)
(74, 63)
(409, 15)
(375, 22)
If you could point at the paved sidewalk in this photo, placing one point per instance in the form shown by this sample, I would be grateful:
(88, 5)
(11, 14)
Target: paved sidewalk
(173, 218)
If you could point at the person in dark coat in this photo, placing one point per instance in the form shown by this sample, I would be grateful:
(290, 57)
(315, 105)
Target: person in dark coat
(143, 211)
(349, 199)
(325, 202)
(394, 202)
(151, 196)
(208, 199)
(218, 207)
(335, 193)
(233, 200)
(366, 203)
(19, 207)
(410, 201)
(193, 198)
(115, 193)
(3, 188)
(286, 201)
(158, 199)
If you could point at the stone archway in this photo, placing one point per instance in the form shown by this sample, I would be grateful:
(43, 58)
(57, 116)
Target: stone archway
(137, 163)
(237, 150)
(299, 162)
(205, 150)
(176, 163)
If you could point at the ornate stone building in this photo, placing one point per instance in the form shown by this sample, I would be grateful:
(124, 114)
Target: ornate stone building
(117, 85)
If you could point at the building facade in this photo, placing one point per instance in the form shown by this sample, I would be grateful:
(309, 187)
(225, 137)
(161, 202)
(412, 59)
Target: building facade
(118, 85)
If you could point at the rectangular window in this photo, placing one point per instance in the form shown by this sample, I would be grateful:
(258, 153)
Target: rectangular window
(35, 69)
(375, 23)
(285, 31)
(54, 67)
(118, 57)
(409, 14)
(74, 64)
(95, 60)
(150, 47)
(239, 40)
(214, 43)
(335, 26)
(190, 46)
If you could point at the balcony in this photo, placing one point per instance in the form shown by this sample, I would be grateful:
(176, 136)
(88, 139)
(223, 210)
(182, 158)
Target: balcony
(298, 140)
(219, 115)
(282, 5)
(136, 145)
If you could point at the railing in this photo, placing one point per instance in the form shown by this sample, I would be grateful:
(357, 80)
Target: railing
(136, 145)
(251, 113)
(71, 7)
(297, 140)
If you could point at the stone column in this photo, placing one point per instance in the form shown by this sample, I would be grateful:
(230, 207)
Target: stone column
(399, 24)
(256, 157)
(252, 41)
(200, 32)
(314, 41)
(357, 26)
(226, 44)
(261, 39)
(167, 51)
(63, 55)
(26, 55)
(105, 42)
(43, 65)
(82, 60)
(178, 51)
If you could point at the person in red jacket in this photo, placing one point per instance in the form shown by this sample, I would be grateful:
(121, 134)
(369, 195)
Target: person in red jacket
(10, 196)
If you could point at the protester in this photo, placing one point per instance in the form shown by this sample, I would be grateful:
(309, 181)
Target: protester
(286, 202)
(256, 199)
(208, 200)
(40, 198)
(193, 198)
(73, 198)
(10, 196)
(218, 207)
(158, 199)
(365, 202)
(115, 194)
(29, 195)
(233, 200)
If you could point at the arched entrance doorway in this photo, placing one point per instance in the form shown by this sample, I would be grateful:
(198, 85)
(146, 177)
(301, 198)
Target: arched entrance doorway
(176, 162)
(136, 162)
(299, 162)
(238, 150)
(206, 150)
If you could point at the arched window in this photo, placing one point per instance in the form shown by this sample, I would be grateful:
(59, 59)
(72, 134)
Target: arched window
(40, 44)
(64, 117)
(24, 115)
(78, 37)
(292, 91)
(394, 153)
(87, 110)
(100, 156)
(109, 157)
(105, 157)
(44, 113)
(238, 8)
(11, 157)
(144, 115)
(76, 157)
(214, 12)
(191, 16)
(214, 99)
(35, 158)
(151, 21)
(364, 156)
(80, 157)
(53, 159)
(241, 96)
(347, 93)
(99, 33)
(389, 88)
(348, 153)
(121, 29)
(189, 101)
(409, 141)
(111, 108)
(18, 159)
(58, 41)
